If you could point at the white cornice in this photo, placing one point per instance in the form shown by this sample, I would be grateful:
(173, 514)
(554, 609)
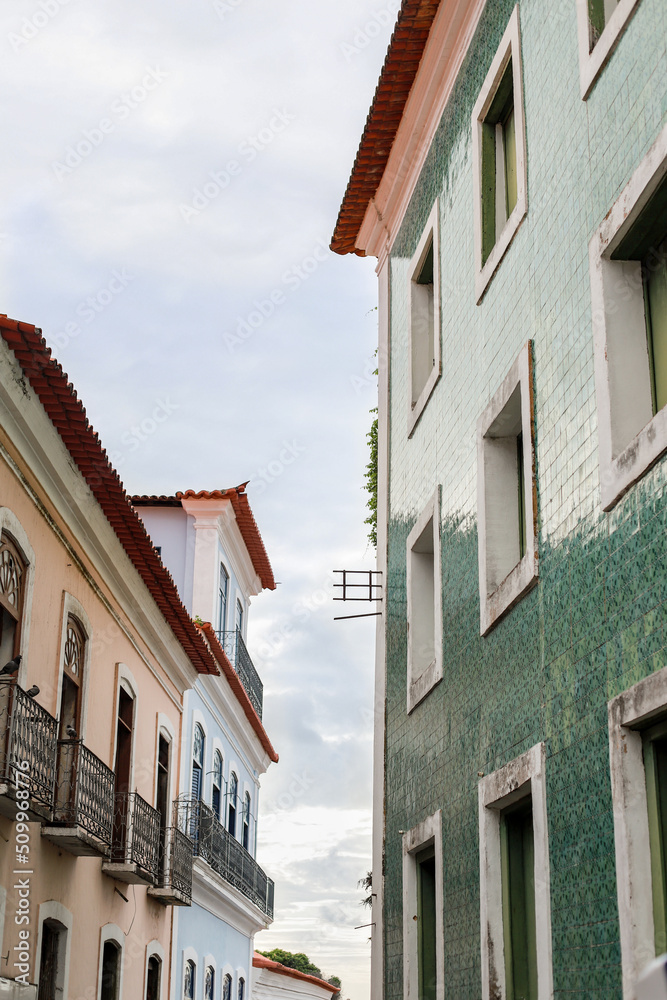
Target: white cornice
(46, 470)
(447, 45)
(215, 894)
(219, 515)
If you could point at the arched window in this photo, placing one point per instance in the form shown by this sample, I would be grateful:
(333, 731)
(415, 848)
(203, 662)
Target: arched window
(246, 821)
(153, 977)
(209, 983)
(216, 799)
(73, 661)
(227, 988)
(239, 617)
(241, 989)
(189, 980)
(12, 586)
(233, 793)
(110, 971)
(197, 762)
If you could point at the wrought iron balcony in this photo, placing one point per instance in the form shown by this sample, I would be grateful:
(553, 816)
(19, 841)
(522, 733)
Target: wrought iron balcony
(28, 742)
(174, 885)
(83, 811)
(224, 853)
(135, 845)
(235, 648)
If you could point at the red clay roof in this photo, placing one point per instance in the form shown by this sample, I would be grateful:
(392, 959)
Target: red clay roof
(244, 519)
(262, 962)
(398, 74)
(67, 414)
(238, 689)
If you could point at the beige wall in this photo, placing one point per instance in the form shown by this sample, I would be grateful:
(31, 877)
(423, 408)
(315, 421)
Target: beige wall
(78, 882)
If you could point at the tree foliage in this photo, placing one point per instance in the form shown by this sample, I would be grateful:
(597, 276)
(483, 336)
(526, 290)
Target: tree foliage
(367, 883)
(301, 963)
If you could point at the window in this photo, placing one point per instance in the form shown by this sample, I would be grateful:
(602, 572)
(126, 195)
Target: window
(73, 662)
(246, 821)
(517, 859)
(506, 494)
(110, 971)
(227, 988)
(189, 980)
(424, 319)
(499, 157)
(12, 580)
(216, 798)
(197, 762)
(239, 617)
(515, 908)
(628, 268)
(162, 798)
(209, 983)
(223, 588)
(153, 977)
(638, 758)
(233, 794)
(241, 992)
(424, 604)
(52, 960)
(600, 25)
(423, 966)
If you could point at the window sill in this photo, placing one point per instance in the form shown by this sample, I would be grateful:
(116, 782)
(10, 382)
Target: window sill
(415, 412)
(508, 593)
(620, 473)
(484, 274)
(421, 686)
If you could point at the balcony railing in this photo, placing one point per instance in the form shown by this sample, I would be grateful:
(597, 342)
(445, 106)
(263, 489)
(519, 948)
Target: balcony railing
(235, 648)
(135, 848)
(174, 884)
(224, 853)
(28, 741)
(83, 813)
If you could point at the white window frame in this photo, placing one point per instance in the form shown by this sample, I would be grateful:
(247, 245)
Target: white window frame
(111, 932)
(430, 235)
(155, 950)
(634, 882)
(493, 604)
(10, 524)
(591, 63)
(509, 48)
(55, 911)
(419, 684)
(631, 439)
(71, 606)
(523, 776)
(425, 834)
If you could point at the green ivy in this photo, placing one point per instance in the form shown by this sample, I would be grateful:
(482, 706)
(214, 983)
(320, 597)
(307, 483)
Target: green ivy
(371, 476)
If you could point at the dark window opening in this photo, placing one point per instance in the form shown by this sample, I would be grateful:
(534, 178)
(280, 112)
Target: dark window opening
(518, 893)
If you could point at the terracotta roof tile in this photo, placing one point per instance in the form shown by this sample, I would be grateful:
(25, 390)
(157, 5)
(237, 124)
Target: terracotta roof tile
(67, 414)
(398, 74)
(262, 962)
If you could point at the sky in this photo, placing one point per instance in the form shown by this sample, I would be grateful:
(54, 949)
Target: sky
(171, 173)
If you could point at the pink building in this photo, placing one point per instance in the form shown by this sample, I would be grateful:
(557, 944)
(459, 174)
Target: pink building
(90, 722)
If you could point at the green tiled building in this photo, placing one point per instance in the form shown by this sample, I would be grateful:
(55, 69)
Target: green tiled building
(512, 183)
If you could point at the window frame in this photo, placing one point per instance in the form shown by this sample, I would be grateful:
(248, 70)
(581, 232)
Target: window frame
(509, 49)
(11, 526)
(431, 234)
(629, 713)
(523, 776)
(592, 61)
(425, 834)
(419, 685)
(495, 603)
(621, 370)
(113, 933)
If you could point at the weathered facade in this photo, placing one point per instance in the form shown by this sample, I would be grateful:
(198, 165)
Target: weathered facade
(511, 183)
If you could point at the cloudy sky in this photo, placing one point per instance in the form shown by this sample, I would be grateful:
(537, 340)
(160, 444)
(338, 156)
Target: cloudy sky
(171, 175)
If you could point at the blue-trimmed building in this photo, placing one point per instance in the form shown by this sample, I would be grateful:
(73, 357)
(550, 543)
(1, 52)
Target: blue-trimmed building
(211, 544)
